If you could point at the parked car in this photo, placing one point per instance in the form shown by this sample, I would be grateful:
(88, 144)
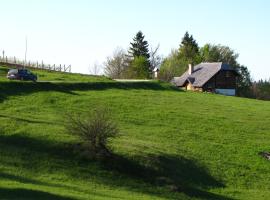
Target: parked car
(21, 74)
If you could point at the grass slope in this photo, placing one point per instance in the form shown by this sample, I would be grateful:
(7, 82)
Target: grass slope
(173, 144)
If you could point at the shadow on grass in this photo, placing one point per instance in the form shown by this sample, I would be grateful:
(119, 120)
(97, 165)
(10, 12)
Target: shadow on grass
(6, 176)
(24, 180)
(175, 174)
(23, 88)
(18, 142)
(27, 194)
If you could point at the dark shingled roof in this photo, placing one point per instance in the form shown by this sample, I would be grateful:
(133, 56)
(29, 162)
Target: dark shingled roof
(201, 74)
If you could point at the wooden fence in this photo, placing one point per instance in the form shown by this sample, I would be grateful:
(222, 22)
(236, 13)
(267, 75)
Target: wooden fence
(13, 61)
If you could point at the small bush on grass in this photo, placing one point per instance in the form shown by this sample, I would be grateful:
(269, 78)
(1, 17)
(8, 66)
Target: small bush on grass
(94, 130)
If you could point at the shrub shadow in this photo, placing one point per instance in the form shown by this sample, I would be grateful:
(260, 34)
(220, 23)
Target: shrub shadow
(177, 174)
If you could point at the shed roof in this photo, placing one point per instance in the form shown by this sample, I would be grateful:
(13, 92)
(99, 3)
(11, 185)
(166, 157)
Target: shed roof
(201, 74)
(156, 69)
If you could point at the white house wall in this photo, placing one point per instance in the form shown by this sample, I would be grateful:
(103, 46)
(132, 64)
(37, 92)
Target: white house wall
(228, 92)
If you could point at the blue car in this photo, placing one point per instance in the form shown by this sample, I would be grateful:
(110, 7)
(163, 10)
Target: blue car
(21, 74)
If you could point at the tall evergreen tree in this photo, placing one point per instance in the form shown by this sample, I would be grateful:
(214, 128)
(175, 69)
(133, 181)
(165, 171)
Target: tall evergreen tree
(189, 49)
(139, 47)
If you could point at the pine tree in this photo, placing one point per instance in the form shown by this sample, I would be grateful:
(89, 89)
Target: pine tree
(189, 49)
(139, 47)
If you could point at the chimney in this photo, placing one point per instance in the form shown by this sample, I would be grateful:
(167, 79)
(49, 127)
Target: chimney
(190, 69)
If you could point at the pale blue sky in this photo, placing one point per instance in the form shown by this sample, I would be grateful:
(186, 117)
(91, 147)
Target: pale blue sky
(81, 32)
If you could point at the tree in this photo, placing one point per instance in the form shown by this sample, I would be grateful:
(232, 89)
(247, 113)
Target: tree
(139, 47)
(155, 59)
(95, 69)
(172, 66)
(116, 65)
(177, 62)
(139, 54)
(244, 82)
(138, 68)
(219, 53)
(189, 49)
(261, 89)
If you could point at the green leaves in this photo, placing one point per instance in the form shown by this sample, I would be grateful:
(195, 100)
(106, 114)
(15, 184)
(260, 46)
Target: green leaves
(219, 53)
(138, 68)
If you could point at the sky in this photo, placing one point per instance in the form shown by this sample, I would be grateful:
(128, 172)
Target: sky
(85, 32)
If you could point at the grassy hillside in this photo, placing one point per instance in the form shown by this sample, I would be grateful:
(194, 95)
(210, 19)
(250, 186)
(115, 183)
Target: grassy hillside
(173, 144)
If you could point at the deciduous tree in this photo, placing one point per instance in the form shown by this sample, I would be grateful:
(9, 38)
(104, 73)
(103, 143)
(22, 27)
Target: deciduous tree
(155, 58)
(172, 66)
(138, 68)
(219, 53)
(116, 65)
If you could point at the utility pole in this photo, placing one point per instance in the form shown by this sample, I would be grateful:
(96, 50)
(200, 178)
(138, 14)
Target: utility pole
(25, 52)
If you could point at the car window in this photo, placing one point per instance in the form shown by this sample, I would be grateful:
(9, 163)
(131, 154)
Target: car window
(13, 71)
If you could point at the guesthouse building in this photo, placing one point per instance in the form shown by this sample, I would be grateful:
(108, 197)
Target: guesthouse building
(210, 77)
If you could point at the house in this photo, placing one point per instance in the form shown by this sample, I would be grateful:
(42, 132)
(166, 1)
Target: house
(155, 72)
(211, 77)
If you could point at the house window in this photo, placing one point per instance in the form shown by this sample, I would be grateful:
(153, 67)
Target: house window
(228, 74)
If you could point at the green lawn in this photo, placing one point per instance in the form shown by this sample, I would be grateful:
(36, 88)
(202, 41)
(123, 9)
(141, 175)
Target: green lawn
(173, 144)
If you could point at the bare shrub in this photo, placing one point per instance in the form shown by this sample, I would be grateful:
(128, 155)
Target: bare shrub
(116, 65)
(94, 130)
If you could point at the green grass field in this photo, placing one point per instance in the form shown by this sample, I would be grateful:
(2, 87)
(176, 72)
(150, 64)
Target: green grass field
(173, 144)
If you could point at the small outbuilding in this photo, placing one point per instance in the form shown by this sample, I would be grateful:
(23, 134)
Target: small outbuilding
(210, 77)
(156, 72)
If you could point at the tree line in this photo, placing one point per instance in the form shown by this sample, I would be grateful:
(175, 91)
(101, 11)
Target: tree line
(136, 63)
(139, 62)
(261, 89)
